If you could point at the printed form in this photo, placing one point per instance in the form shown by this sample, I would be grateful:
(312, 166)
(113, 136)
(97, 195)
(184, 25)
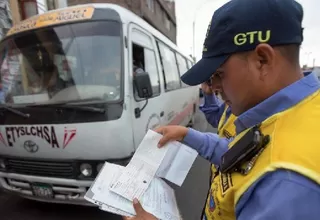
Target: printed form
(159, 199)
(116, 186)
(113, 210)
(100, 194)
(136, 177)
(171, 162)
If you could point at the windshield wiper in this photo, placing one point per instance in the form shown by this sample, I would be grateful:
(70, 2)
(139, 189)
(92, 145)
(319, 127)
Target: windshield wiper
(81, 108)
(70, 106)
(15, 111)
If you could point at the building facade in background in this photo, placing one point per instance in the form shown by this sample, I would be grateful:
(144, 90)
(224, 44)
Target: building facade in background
(5, 18)
(159, 13)
(23, 9)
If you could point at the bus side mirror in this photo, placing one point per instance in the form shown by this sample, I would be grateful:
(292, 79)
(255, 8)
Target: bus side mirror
(143, 85)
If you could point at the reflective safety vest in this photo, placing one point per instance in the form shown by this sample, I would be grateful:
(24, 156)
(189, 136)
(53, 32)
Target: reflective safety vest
(226, 128)
(294, 145)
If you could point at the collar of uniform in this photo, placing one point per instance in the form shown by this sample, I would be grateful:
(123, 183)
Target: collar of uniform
(278, 102)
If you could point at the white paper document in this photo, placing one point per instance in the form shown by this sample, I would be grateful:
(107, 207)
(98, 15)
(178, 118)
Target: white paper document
(100, 188)
(159, 199)
(171, 162)
(136, 177)
(114, 210)
(177, 163)
(116, 186)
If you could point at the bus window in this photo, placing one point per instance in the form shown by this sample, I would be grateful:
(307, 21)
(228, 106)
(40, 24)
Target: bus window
(182, 64)
(72, 62)
(144, 60)
(189, 64)
(170, 68)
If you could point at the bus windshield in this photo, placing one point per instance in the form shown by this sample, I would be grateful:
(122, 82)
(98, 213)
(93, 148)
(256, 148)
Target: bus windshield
(67, 63)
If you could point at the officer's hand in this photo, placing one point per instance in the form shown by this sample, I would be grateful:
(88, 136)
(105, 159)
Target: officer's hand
(171, 133)
(206, 89)
(141, 214)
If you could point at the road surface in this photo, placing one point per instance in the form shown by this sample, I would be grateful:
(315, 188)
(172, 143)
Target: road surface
(190, 197)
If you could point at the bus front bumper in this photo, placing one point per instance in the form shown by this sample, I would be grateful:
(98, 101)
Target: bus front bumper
(46, 189)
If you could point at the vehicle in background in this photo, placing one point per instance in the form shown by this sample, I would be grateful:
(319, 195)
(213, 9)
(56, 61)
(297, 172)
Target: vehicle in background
(82, 85)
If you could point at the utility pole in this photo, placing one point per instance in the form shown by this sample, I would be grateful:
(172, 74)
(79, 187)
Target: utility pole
(193, 38)
(194, 26)
(308, 55)
(314, 61)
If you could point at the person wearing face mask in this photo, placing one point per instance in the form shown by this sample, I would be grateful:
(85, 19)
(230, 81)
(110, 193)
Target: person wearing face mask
(256, 58)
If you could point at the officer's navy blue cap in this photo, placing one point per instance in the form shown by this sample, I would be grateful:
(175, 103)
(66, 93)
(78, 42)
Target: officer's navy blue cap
(239, 26)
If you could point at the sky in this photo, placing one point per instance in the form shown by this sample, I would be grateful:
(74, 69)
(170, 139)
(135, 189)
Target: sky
(201, 11)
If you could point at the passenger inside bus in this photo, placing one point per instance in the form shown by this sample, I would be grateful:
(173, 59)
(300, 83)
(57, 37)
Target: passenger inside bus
(138, 59)
(137, 63)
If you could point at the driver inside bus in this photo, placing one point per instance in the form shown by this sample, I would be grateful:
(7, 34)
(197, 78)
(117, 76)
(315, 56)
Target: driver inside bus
(53, 83)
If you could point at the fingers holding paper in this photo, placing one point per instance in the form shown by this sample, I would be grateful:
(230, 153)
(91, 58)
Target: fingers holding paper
(141, 214)
(171, 133)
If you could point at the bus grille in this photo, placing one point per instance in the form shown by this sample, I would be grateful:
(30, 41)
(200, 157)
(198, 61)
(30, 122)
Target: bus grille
(41, 168)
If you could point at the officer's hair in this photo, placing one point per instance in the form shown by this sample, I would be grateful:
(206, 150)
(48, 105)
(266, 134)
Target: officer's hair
(291, 52)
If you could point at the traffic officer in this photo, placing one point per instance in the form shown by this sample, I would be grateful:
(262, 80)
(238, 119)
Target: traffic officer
(253, 46)
(219, 115)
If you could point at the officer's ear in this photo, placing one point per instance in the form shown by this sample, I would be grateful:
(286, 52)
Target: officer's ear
(265, 57)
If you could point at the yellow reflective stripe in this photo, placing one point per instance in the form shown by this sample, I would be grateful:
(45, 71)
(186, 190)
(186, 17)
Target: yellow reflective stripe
(222, 119)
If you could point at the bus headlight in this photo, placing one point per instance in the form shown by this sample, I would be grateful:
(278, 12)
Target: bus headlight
(2, 164)
(86, 169)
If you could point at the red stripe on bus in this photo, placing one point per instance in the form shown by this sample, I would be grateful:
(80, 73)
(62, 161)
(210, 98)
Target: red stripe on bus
(180, 116)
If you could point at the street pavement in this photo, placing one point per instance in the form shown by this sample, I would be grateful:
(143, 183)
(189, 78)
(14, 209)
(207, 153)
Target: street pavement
(190, 196)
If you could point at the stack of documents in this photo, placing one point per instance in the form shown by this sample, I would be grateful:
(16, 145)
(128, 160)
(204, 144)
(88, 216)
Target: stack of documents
(116, 186)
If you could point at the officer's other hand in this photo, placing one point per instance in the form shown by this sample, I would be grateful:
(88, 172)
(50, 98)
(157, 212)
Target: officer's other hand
(206, 89)
(171, 133)
(141, 214)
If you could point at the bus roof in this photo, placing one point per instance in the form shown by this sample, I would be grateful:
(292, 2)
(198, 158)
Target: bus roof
(86, 12)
